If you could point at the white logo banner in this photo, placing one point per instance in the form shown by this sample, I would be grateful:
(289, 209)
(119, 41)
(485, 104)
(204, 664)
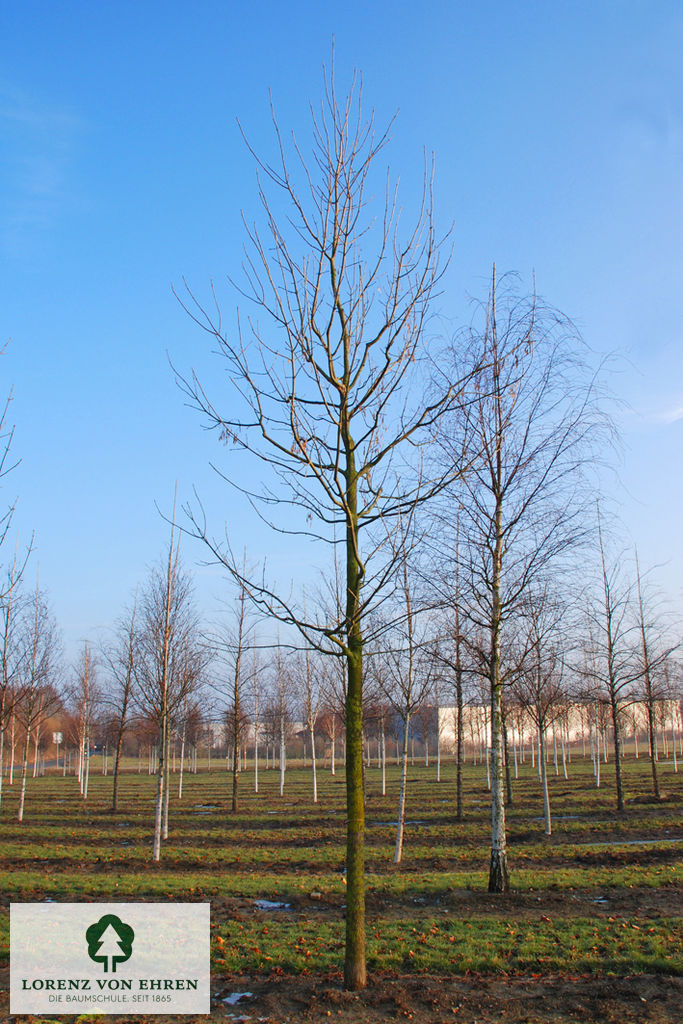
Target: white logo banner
(110, 958)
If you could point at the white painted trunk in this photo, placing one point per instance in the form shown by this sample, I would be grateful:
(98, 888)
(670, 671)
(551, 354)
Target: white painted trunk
(313, 768)
(401, 821)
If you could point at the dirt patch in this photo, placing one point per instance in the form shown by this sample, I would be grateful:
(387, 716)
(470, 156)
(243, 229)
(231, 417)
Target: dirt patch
(476, 999)
(468, 903)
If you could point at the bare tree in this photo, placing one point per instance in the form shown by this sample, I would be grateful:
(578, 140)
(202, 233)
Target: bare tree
(331, 720)
(538, 685)
(232, 644)
(120, 658)
(410, 666)
(526, 437)
(612, 666)
(36, 688)
(85, 698)
(330, 408)
(10, 655)
(656, 653)
(450, 649)
(168, 664)
(312, 695)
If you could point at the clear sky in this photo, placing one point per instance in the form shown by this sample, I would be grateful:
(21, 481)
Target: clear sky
(558, 135)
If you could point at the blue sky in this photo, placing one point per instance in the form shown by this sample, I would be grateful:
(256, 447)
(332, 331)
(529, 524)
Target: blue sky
(558, 135)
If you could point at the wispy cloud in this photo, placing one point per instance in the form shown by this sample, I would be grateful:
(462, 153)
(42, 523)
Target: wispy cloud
(38, 140)
(669, 415)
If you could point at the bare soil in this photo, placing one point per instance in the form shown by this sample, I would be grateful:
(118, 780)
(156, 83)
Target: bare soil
(475, 999)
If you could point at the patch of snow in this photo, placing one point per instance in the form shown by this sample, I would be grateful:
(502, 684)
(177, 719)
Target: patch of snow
(235, 997)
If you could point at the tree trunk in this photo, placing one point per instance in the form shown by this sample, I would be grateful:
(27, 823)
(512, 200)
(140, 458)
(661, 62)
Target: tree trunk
(2, 743)
(24, 773)
(117, 762)
(159, 808)
(282, 755)
(355, 974)
(460, 743)
(401, 822)
(506, 754)
(653, 741)
(167, 785)
(256, 756)
(86, 766)
(182, 765)
(313, 767)
(13, 748)
(617, 755)
(544, 783)
(597, 755)
(498, 870)
(438, 748)
(236, 723)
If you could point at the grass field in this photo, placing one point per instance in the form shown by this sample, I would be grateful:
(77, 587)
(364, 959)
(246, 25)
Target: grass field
(598, 901)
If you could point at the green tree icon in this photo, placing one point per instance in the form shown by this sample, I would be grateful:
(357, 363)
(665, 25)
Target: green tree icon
(110, 941)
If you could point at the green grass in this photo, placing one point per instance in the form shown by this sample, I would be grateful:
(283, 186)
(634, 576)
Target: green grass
(423, 915)
(580, 945)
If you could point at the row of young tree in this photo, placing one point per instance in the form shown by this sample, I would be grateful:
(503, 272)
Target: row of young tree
(451, 486)
(226, 693)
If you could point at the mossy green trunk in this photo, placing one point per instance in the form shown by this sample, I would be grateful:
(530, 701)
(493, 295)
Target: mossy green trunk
(355, 975)
(354, 965)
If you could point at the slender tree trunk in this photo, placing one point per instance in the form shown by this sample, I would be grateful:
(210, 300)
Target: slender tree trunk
(401, 822)
(673, 741)
(460, 747)
(256, 756)
(617, 755)
(597, 755)
(236, 725)
(117, 764)
(506, 754)
(498, 870)
(544, 781)
(355, 974)
(355, 970)
(24, 773)
(13, 748)
(86, 766)
(313, 767)
(182, 764)
(159, 808)
(167, 785)
(2, 745)
(282, 754)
